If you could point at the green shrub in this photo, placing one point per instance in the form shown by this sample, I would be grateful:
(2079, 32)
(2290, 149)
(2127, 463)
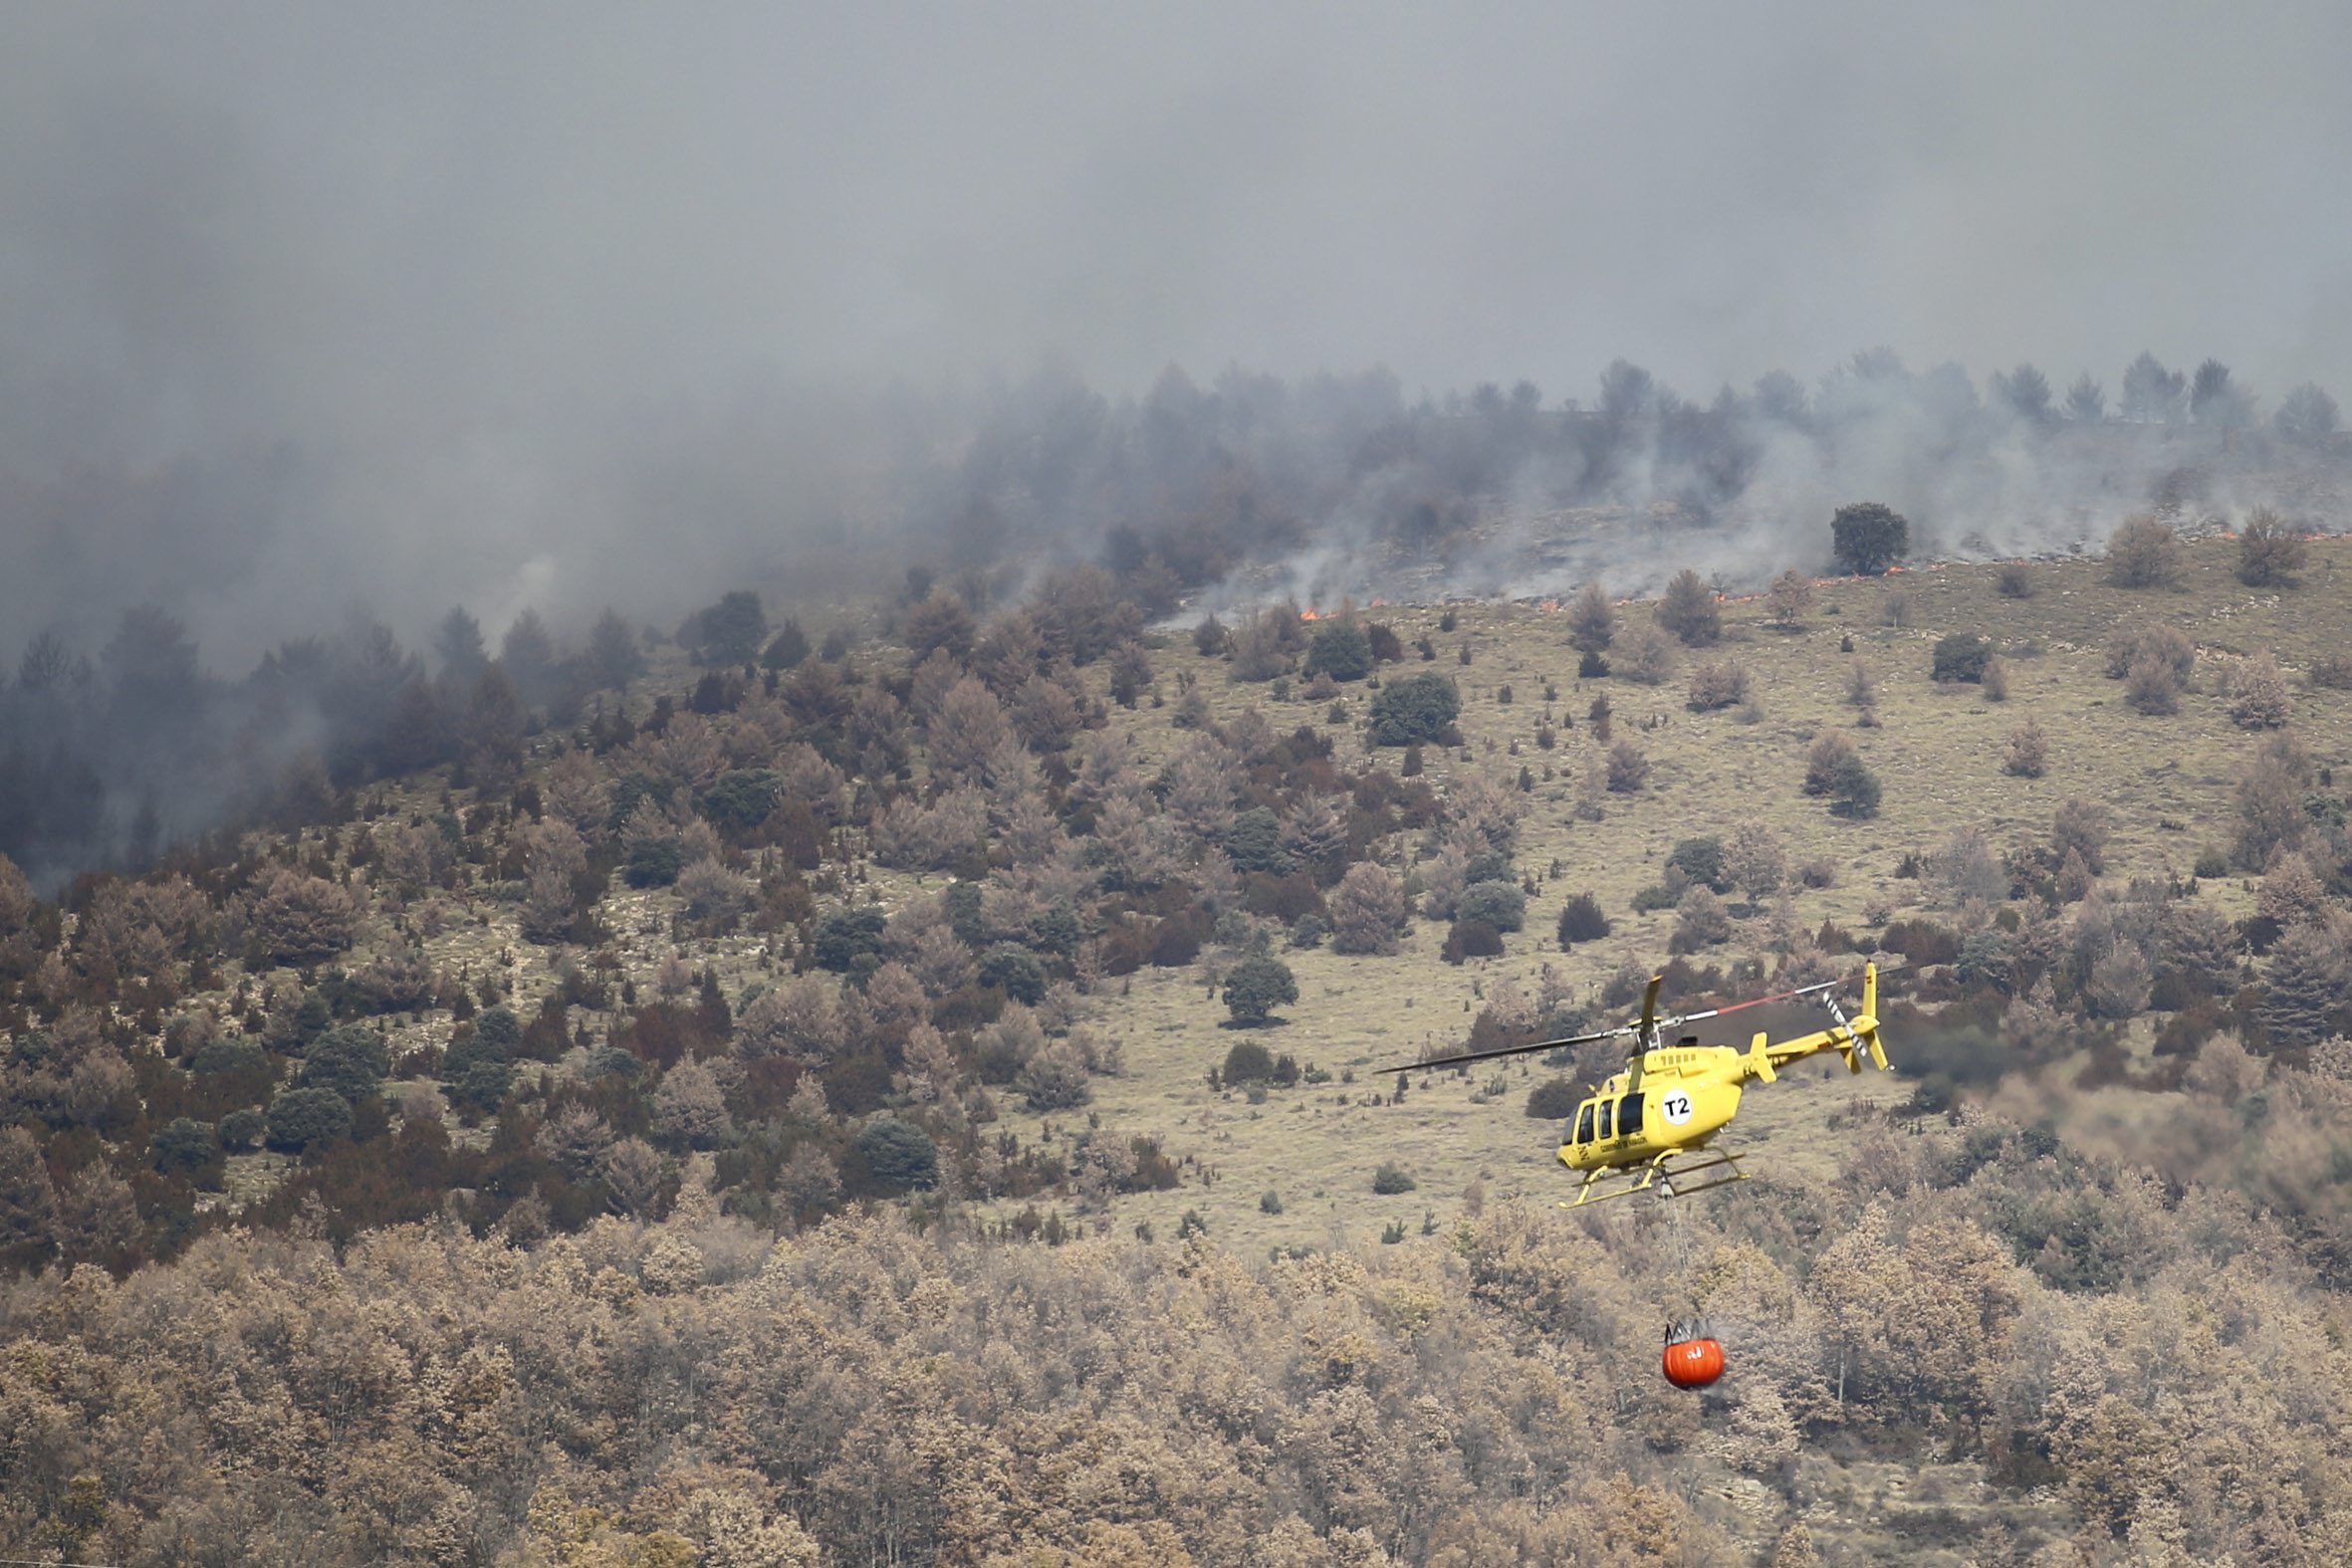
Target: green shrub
(898, 1153)
(1420, 708)
(1341, 650)
(1499, 903)
(242, 1131)
(1014, 970)
(1961, 656)
(1867, 538)
(653, 863)
(1247, 1062)
(348, 1059)
(846, 934)
(1390, 1180)
(1854, 793)
(1701, 860)
(1581, 920)
(742, 798)
(1257, 985)
(183, 1143)
(301, 1119)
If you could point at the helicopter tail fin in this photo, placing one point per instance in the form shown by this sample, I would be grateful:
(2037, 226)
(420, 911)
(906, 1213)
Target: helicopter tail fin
(1760, 1058)
(1867, 1026)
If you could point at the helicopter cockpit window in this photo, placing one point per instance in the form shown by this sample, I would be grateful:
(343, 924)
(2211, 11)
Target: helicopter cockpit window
(1584, 1123)
(1608, 1109)
(1629, 1115)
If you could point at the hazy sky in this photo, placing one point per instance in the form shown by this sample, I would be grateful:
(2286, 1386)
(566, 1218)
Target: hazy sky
(436, 259)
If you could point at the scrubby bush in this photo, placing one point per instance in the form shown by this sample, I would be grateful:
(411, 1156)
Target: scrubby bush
(2258, 698)
(2143, 554)
(1629, 768)
(1721, 684)
(1593, 622)
(1366, 910)
(1391, 1180)
(2014, 581)
(1700, 861)
(1825, 760)
(2269, 556)
(2027, 753)
(2151, 688)
(1581, 920)
(241, 1131)
(298, 919)
(1787, 599)
(1700, 921)
(1645, 656)
(2150, 642)
(1469, 938)
(1689, 611)
(1854, 793)
(183, 1145)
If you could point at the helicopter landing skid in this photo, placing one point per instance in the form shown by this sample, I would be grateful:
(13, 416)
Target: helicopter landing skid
(1659, 1172)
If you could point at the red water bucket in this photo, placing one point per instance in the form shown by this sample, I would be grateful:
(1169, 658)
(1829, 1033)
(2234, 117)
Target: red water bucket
(1692, 1363)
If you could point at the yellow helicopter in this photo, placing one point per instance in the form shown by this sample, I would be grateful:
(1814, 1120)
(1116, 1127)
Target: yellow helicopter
(1655, 1121)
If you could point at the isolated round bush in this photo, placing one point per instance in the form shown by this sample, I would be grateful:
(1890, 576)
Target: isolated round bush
(1257, 985)
(1581, 920)
(1247, 1062)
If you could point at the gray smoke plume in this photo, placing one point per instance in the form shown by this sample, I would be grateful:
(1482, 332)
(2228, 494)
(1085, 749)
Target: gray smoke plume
(312, 316)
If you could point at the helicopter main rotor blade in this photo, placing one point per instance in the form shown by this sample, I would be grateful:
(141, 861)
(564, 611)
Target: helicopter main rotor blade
(1510, 1050)
(1643, 1032)
(1753, 1001)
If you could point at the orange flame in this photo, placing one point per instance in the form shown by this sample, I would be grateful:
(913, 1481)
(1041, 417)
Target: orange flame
(1308, 614)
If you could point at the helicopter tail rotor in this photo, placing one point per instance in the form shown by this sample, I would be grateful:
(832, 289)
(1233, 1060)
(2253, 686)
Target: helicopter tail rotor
(1861, 1030)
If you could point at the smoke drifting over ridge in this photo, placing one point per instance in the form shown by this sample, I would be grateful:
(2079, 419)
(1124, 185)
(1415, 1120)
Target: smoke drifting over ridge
(312, 317)
(297, 307)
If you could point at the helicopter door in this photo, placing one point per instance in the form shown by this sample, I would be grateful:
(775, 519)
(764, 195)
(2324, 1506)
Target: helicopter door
(1584, 1123)
(1608, 1109)
(1629, 1116)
